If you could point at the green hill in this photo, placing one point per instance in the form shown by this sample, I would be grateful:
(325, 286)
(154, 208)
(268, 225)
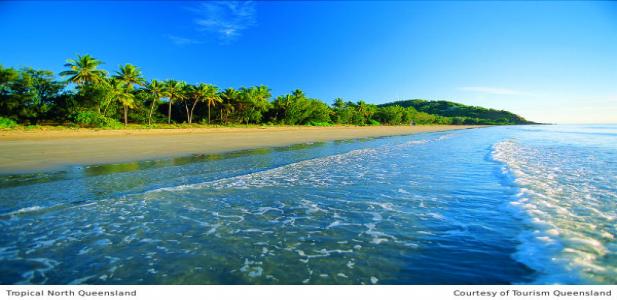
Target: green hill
(460, 113)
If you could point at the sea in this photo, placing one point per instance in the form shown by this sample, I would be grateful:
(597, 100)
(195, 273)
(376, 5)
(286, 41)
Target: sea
(533, 204)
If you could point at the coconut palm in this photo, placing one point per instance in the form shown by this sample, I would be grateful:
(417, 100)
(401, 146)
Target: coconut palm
(298, 93)
(226, 109)
(129, 75)
(84, 73)
(115, 91)
(110, 88)
(126, 98)
(200, 93)
(264, 93)
(285, 102)
(339, 103)
(210, 94)
(363, 109)
(175, 92)
(83, 70)
(190, 94)
(229, 98)
(156, 90)
(254, 101)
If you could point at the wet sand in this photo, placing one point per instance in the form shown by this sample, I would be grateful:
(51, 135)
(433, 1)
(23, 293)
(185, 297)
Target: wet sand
(40, 150)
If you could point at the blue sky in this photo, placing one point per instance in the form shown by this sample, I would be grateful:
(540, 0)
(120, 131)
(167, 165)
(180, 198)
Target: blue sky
(548, 61)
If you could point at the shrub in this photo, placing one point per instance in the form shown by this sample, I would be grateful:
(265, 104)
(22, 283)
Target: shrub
(373, 122)
(94, 119)
(7, 123)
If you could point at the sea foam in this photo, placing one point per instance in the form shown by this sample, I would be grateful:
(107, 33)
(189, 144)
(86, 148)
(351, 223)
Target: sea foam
(563, 242)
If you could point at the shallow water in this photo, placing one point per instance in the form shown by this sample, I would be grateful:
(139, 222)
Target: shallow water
(526, 204)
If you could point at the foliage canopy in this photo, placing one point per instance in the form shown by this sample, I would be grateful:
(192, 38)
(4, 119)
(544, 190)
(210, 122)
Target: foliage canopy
(86, 95)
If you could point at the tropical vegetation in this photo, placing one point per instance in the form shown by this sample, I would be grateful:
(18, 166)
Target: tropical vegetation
(85, 95)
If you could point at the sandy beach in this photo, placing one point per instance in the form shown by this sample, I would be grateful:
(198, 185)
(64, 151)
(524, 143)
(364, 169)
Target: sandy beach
(31, 151)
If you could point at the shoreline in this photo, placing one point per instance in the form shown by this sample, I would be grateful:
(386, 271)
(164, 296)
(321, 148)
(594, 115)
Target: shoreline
(42, 150)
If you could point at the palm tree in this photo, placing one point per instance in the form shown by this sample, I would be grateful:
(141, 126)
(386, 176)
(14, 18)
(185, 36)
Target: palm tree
(129, 75)
(116, 91)
(229, 99)
(110, 87)
(339, 103)
(156, 90)
(210, 94)
(126, 97)
(200, 93)
(363, 109)
(190, 93)
(226, 108)
(286, 101)
(298, 93)
(84, 73)
(263, 93)
(83, 70)
(175, 91)
(254, 101)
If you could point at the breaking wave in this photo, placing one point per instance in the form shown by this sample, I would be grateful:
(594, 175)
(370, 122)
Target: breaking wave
(566, 197)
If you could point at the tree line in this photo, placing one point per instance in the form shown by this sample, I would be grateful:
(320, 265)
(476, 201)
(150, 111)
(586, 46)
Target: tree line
(460, 113)
(88, 96)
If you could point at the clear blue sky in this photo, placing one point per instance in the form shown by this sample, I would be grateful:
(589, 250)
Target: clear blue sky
(548, 61)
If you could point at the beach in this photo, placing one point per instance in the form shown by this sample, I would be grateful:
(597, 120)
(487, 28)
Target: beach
(40, 150)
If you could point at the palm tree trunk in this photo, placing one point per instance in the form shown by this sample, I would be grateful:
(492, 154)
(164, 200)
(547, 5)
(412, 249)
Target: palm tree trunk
(105, 110)
(208, 113)
(188, 116)
(169, 113)
(192, 112)
(126, 115)
(150, 115)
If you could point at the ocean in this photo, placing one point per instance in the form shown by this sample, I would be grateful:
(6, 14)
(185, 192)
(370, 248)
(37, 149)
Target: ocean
(498, 205)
